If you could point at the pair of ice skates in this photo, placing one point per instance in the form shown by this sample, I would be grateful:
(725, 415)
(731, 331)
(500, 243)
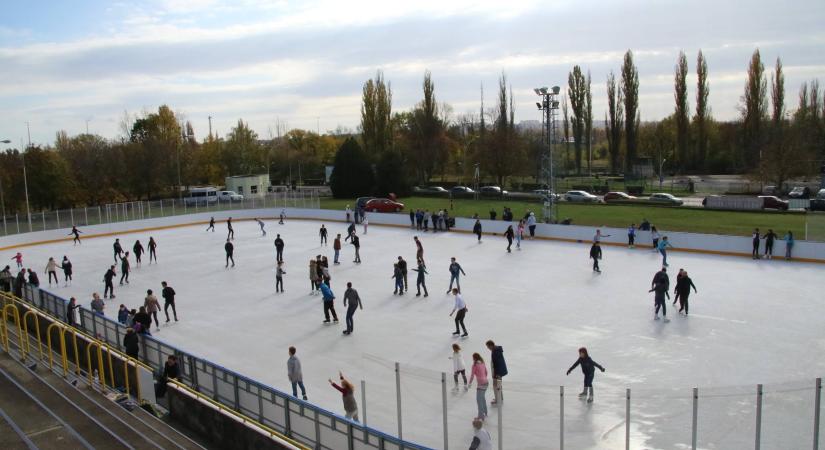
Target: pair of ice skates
(584, 393)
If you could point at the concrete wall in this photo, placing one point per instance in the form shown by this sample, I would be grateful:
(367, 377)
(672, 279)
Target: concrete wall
(695, 242)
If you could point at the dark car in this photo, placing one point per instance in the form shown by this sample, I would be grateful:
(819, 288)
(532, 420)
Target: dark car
(361, 202)
(617, 197)
(800, 192)
(492, 191)
(773, 202)
(461, 191)
(430, 190)
(383, 205)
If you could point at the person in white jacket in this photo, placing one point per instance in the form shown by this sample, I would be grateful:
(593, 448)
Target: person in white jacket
(296, 376)
(458, 366)
(481, 437)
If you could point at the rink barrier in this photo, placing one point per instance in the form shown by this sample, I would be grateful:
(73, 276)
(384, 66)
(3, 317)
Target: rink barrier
(294, 418)
(739, 246)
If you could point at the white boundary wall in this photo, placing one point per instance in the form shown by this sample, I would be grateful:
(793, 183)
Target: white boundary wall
(712, 243)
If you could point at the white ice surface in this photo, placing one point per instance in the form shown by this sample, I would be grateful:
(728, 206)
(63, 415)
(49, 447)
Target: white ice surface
(751, 322)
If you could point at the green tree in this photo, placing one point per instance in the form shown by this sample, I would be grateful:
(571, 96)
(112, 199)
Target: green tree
(681, 114)
(425, 131)
(754, 110)
(391, 176)
(613, 123)
(588, 117)
(502, 152)
(376, 116)
(702, 118)
(154, 160)
(577, 91)
(630, 92)
(243, 154)
(352, 175)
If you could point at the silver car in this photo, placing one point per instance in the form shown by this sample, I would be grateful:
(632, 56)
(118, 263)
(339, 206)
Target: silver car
(580, 196)
(665, 199)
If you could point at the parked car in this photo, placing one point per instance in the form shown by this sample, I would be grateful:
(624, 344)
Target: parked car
(361, 202)
(580, 196)
(662, 198)
(618, 197)
(547, 193)
(229, 196)
(383, 205)
(818, 202)
(201, 196)
(461, 191)
(800, 192)
(773, 202)
(492, 191)
(431, 190)
(770, 190)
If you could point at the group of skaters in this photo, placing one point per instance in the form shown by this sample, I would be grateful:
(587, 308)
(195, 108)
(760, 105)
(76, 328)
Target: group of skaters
(770, 237)
(14, 283)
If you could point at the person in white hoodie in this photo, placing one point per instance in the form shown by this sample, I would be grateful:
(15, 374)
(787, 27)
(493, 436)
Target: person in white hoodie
(481, 437)
(458, 366)
(51, 271)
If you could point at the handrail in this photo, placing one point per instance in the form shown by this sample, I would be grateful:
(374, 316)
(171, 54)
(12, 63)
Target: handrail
(100, 368)
(62, 346)
(37, 330)
(6, 328)
(245, 420)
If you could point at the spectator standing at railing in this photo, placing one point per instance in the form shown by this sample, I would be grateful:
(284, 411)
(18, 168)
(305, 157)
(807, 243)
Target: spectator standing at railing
(755, 239)
(295, 374)
(97, 304)
(412, 219)
(142, 321)
(117, 249)
(769, 238)
(108, 280)
(66, 265)
(71, 316)
(631, 236)
(33, 280)
(51, 271)
(123, 314)
(170, 371)
(788, 244)
(347, 391)
(138, 250)
(76, 233)
(531, 224)
(153, 245)
(6, 279)
(131, 343)
(19, 282)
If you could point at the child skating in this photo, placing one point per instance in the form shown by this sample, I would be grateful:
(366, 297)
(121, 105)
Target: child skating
(399, 279)
(589, 370)
(458, 367)
(509, 234)
(631, 236)
(18, 258)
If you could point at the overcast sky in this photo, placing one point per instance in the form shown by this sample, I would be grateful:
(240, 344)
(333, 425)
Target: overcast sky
(65, 62)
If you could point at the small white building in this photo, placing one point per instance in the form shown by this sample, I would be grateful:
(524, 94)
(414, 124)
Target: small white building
(248, 185)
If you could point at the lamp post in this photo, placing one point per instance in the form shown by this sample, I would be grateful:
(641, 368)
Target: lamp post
(549, 106)
(2, 198)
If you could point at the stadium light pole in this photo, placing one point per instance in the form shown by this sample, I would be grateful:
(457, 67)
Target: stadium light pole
(2, 197)
(549, 106)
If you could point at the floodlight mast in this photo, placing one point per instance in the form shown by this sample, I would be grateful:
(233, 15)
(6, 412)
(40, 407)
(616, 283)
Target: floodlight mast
(549, 107)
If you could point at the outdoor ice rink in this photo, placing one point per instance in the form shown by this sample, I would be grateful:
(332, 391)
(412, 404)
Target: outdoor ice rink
(751, 322)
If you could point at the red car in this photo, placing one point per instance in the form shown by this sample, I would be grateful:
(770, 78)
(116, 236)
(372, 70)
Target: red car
(383, 205)
(617, 197)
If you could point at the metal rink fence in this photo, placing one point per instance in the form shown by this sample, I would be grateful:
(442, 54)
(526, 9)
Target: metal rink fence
(296, 418)
(141, 210)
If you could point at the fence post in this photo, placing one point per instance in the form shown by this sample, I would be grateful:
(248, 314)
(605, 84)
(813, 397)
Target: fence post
(364, 407)
(500, 423)
(758, 442)
(695, 418)
(71, 215)
(444, 407)
(398, 396)
(561, 417)
(627, 420)
(173, 207)
(86, 215)
(17, 221)
(57, 214)
(43, 213)
(817, 402)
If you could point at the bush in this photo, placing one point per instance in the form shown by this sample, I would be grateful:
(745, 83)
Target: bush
(391, 177)
(352, 175)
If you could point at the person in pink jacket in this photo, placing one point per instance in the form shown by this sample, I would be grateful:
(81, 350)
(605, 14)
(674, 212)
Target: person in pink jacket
(479, 374)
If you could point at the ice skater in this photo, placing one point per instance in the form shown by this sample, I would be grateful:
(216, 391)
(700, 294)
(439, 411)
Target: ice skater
(663, 245)
(509, 234)
(589, 370)
(295, 374)
(323, 233)
(755, 238)
(138, 251)
(455, 270)
(152, 307)
(402, 264)
(596, 255)
(477, 230)
(350, 232)
(329, 305)
(279, 249)
(279, 277)
(51, 271)
(499, 369)
(314, 279)
(281, 217)
(357, 244)
(683, 285)
(460, 310)
(117, 249)
(481, 437)
(125, 268)
(230, 232)
(458, 367)
(18, 258)
(347, 390)
(399, 280)
(519, 234)
(631, 236)
(660, 285)
(66, 265)
(676, 289)
(168, 295)
(598, 236)
(336, 247)
(531, 224)
(211, 224)
(348, 213)
(108, 282)
(153, 246)
(261, 224)
(352, 301)
(419, 282)
(230, 250)
(654, 237)
(788, 244)
(419, 249)
(769, 238)
(76, 233)
(479, 374)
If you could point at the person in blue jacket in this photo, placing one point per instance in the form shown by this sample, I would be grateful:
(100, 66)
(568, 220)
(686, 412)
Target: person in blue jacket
(662, 247)
(328, 296)
(455, 269)
(499, 369)
(589, 370)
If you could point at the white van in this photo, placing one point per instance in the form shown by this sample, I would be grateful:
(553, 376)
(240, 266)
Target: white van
(201, 196)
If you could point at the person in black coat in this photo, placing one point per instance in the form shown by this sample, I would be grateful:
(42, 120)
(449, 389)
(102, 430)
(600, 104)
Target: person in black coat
(130, 343)
(170, 370)
(683, 285)
(589, 370)
(477, 230)
(19, 281)
(499, 369)
(144, 319)
(33, 280)
(402, 265)
(596, 255)
(510, 235)
(138, 251)
(230, 250)
(118, 250)
(108, 282)
(279, 249)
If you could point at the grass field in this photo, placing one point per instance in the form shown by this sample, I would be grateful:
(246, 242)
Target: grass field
(695, 220)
